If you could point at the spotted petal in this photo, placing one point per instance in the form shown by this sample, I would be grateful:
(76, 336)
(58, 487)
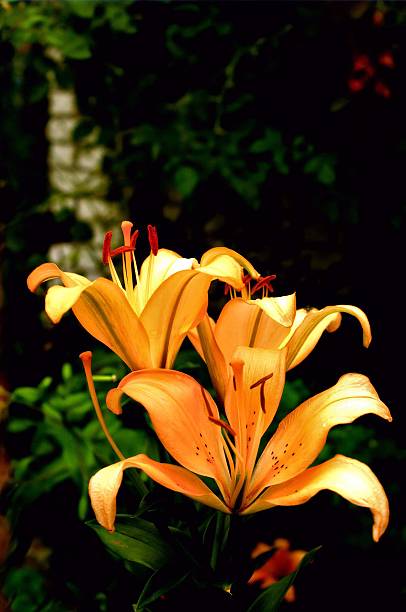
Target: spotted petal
(251, 404)
(347, 477)
(179, 409)
(104, 486)
(302, 434)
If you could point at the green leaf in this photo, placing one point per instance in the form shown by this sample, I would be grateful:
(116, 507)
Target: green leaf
(17, 425)
(326, 173)
(186, 179)
(71, 44)
(67, 371)
(160, 583)
(272, 597)
(271, 141)
(28, 396)
(323, 167)
(45, 383)
(82, 8)
(135, 540)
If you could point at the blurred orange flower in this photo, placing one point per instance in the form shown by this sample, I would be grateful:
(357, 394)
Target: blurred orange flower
(282, 563)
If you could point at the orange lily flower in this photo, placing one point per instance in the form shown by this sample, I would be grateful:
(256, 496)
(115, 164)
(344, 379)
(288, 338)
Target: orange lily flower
(145, 318)
(267, 322)
(282, 563)
(188, 423)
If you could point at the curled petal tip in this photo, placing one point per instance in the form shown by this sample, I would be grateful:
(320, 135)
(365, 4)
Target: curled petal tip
(113, 400)
(367, 340)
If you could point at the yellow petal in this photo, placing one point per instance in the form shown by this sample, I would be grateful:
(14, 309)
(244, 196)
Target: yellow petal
(177, 306)
(106, 314)
(104, 486)
(347, 477)
(281, 309)
(226, 269)
(244, 323)
(60, 299)
(204, 341)
(302, 434)
(311, 327)
(180, 416)
(210, 255)
(48, 271)
(163, 265)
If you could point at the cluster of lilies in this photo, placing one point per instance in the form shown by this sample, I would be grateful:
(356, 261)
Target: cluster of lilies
(144, 315)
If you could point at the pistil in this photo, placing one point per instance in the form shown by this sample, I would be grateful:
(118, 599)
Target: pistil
(86, 358)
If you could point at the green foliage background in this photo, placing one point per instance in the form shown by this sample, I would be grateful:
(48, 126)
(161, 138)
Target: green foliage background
(226, 123)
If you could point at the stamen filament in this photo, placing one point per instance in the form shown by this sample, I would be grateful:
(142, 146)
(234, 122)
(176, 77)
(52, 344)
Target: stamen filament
(114, 275)
(231, 465)
(86, 358)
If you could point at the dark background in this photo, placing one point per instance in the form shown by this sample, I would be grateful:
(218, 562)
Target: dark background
(276, 128)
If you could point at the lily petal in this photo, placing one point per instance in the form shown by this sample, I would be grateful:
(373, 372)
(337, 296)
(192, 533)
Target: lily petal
(224, 268)
(176, 306)
(210, 255)
(157, 268)
(305, 335)
(48, 271)
(281, 309)
(258, 323)
(59, 300)
(204, 341)
(179, 409)
(104, 486)
(302, 434)
(250, 405)
(347, 477)
(104, 311)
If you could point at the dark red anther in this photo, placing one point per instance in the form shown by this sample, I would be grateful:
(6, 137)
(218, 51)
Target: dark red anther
(133, 240)
(264, 281)
(225, 426)
(153, 239)
(119, 250)
(106, 247)
(261, 381)
(226, 289)
(246, 279)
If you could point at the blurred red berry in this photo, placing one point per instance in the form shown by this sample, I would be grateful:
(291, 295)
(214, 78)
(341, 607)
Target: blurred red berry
(378, 18)
(382, 90)
(362, 63)
(386, 59)
(356, 85)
